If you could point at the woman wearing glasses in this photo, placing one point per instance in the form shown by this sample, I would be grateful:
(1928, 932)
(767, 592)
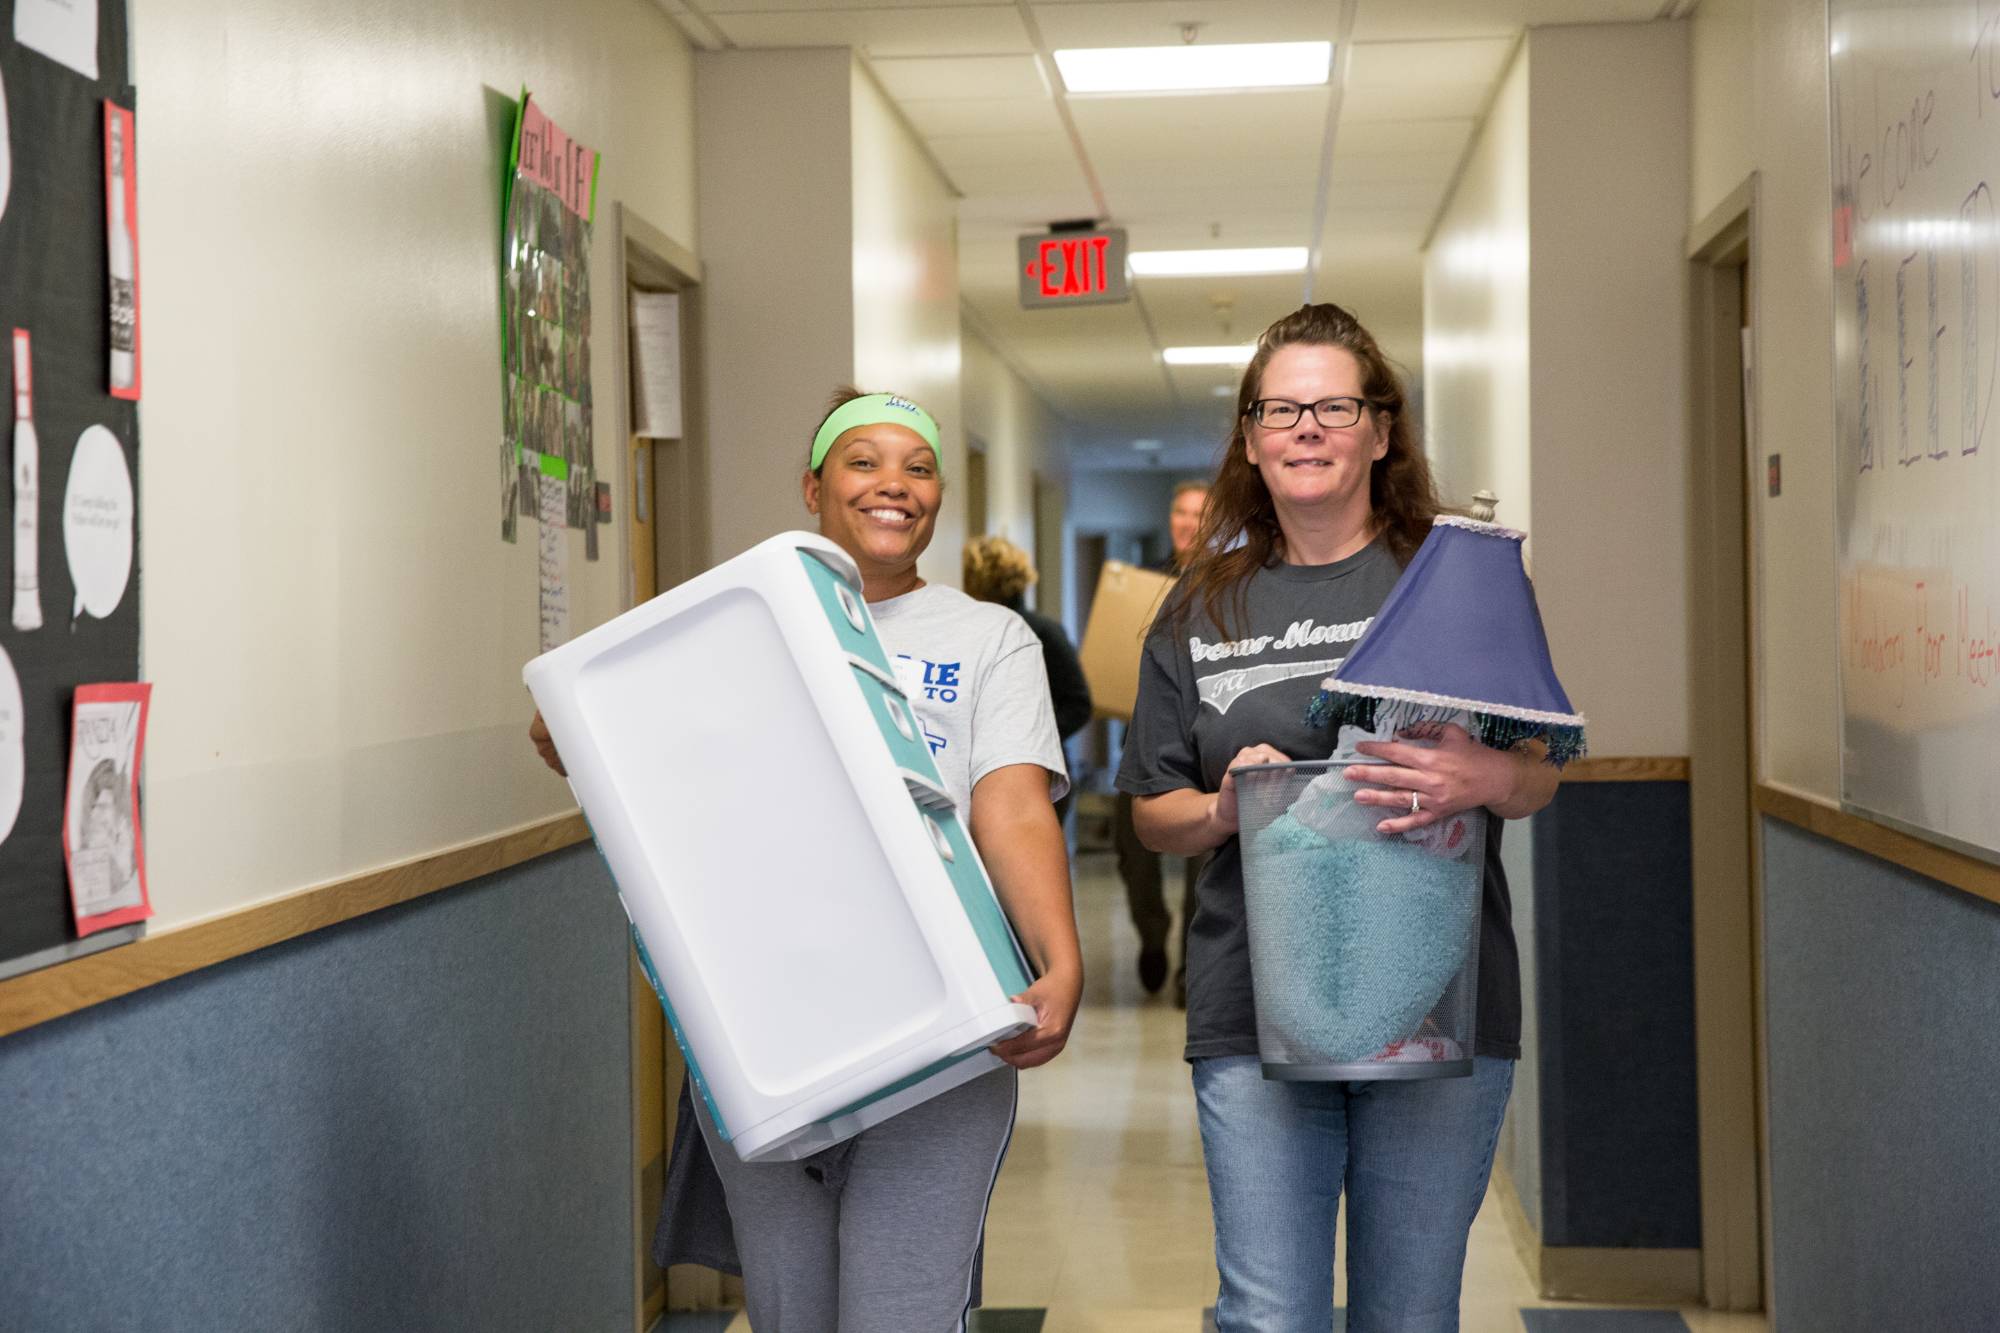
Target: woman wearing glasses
(1322, 496)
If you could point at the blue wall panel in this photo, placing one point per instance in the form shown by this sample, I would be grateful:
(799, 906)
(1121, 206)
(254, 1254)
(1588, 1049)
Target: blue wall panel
(1883, 1002)
(416, 1120)
(1614, 993)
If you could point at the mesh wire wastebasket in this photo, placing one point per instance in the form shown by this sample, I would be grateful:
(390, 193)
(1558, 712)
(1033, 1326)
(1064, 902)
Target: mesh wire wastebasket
(1364, 949)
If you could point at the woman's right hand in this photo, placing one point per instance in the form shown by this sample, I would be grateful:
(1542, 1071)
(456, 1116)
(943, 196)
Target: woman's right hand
(545, 744)
(1224, 813)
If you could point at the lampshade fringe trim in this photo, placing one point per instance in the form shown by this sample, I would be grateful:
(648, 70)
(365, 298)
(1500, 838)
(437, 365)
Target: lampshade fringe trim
(1500, 726)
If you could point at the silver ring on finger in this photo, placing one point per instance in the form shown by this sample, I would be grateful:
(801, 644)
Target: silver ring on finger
(1414, 799)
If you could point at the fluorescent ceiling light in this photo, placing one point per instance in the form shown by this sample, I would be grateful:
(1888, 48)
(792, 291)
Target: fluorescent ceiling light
(1223, 391)
(1238, 355)
(1149, 446)
(1217, 263)
(1189, 69)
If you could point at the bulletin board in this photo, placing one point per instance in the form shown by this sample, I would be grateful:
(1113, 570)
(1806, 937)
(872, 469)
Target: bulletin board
(1915, 101)
(54, 284)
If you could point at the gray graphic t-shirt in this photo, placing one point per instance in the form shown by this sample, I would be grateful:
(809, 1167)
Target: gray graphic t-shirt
(974, 672)
(1203, 696)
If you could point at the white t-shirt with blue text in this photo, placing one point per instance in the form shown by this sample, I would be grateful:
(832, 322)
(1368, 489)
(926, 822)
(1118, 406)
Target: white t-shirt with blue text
(974, 672)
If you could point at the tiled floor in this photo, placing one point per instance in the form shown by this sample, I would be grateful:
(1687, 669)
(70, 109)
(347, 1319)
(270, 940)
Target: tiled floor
(1100, 1221)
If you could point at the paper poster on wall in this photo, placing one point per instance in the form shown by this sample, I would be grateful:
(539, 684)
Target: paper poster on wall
(97, 523)
(656, 365)
(27, 491)
(554, 560)
(64, 30)
(545, 284)
(121, 224)
(13, 746)
(102, 844)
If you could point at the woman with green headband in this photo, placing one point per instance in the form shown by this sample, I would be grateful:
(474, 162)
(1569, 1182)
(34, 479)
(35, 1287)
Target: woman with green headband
(884, 1230)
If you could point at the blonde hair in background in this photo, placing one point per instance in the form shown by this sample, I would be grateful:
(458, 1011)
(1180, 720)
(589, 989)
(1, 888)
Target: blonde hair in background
(996, 570)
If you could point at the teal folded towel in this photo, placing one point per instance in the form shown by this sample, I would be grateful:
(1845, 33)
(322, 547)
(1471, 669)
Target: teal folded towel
(1352, 940)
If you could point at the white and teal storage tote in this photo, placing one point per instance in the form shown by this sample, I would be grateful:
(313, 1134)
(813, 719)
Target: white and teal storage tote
(806, 900)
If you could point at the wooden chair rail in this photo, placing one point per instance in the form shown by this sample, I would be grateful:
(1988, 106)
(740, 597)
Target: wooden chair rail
(36, 997)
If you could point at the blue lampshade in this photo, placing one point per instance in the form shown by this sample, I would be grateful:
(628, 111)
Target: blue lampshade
(1460, 633)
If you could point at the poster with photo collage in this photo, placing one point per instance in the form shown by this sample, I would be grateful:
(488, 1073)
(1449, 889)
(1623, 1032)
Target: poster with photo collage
(551, 200)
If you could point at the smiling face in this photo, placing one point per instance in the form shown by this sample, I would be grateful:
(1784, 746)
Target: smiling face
(877, 498)
(1313, 470)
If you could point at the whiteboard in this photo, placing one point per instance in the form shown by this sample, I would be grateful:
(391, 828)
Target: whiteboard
(1915, 101)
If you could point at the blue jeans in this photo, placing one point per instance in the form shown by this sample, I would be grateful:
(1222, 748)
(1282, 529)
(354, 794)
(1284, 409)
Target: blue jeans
(1414, 1156)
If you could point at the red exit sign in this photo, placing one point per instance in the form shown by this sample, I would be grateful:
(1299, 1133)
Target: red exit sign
(1073, 268)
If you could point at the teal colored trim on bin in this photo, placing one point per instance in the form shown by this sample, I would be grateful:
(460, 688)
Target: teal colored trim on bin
(982, 909)
(862, 643)
(899, 1085)
(666, 1007)
(913, 753)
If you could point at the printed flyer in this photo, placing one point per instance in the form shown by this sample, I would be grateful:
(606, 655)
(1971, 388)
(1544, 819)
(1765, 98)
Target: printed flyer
(102, 844)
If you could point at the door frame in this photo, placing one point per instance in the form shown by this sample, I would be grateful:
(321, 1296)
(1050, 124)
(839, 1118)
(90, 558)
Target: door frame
(1722, 736)
(649, 260)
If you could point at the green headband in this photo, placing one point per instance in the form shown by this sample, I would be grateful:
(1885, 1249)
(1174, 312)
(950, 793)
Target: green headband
(875, 409)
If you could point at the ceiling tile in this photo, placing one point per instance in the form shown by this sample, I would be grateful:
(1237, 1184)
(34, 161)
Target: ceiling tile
(1423, 80)
(1158, 22)
(1413, 136)
(957, 78)
(1235, 178)
(1379, 20)
(1029, 210)
(719, 7)
(1442, 62)
(1198, 222)
(957, 31)
(1256, 217)
(1357, 169)
(1200, 125)
(1020, 178)
(1049, 146)
(982, 115)
(1412, 102)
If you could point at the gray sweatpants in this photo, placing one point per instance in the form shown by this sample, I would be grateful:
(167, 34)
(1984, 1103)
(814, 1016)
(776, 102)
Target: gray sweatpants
(880, 1232)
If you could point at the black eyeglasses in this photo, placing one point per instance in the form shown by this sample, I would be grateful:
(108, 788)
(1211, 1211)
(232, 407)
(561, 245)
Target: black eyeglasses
(1283, 413)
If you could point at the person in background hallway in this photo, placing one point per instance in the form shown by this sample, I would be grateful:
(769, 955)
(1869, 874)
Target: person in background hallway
(996, 570)
(883, 1231)
(1321, 498)
(1138, 864)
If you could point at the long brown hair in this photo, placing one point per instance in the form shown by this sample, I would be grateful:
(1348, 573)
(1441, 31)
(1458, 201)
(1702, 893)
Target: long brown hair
(1239, 528)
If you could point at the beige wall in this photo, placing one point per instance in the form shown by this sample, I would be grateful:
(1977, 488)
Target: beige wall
(1722, 130)
(1476, 317)
(333, 624)
(776, 144)
(1554, 358)
(832, 258)
(904, 276)
(1022, 437)
(1759, 89)
(1607, 152)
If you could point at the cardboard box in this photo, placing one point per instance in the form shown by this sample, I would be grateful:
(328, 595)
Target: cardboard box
(1120, 614)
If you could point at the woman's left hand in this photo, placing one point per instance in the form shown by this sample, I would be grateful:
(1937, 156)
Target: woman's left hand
(1457, 773)
(1054, 998)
